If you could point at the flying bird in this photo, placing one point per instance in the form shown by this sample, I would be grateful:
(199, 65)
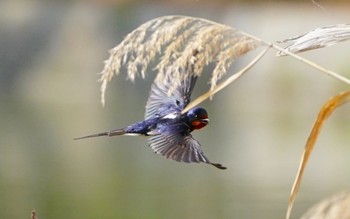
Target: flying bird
(169, 130)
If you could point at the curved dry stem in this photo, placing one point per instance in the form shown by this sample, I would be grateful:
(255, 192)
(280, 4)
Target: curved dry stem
(224, 84)
(306, 61)
(326, 110)
(314, 65)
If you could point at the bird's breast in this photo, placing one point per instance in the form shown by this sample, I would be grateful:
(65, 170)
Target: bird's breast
(198, 124)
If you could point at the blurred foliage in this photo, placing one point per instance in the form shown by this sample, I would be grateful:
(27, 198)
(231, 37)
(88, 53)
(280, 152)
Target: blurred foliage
(50, 56)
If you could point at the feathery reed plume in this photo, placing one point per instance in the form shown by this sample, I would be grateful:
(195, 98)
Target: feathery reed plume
(318, 38)
(180, 41)
(326, 110)
(334, 207)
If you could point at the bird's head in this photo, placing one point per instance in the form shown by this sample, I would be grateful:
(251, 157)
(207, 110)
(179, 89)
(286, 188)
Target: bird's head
(197, 117)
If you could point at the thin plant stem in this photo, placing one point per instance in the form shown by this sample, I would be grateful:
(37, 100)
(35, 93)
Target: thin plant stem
(224, 84)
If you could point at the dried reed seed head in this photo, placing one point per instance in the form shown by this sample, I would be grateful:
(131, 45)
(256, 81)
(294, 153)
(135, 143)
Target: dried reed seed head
(228, 55)
(318, 38)
(185, 45)
(334, 207)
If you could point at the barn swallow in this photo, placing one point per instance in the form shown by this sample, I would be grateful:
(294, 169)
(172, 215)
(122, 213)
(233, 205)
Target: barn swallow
(169, 130)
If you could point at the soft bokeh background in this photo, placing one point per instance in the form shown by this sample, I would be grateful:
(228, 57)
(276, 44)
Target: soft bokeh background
(50, 56)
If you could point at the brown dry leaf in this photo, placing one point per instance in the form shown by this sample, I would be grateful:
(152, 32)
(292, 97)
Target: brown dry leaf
(324, 113)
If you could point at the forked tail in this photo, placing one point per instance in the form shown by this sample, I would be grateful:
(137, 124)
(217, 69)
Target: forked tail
(109, 133)
(217, 165)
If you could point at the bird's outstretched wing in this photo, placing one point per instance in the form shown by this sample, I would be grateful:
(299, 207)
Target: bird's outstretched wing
(180, 148)
(160, 103)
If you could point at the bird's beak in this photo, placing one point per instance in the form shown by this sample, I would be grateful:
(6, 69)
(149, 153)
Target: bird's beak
(205, 121)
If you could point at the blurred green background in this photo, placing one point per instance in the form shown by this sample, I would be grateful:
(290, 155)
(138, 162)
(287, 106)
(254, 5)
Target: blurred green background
(50, 56)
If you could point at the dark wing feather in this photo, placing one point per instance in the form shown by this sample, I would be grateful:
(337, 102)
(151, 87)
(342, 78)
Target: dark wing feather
(160, 103)
(178, 148)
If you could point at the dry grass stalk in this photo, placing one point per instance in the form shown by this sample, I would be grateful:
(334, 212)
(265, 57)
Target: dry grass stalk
(181, 42)
(225, 83)
(33, 215)
(314, 65)
(318, 38)
(327, 109)
(299, 58)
